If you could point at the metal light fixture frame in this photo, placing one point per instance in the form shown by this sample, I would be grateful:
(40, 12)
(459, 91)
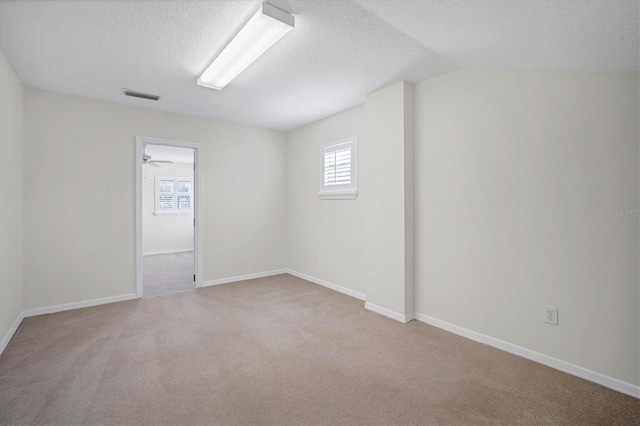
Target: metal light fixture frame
(268, 25)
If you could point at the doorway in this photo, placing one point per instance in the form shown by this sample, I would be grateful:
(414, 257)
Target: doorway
(168, 211)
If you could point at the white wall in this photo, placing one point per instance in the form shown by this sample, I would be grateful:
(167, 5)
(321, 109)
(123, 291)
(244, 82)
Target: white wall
(80, 195)
(515, 172)
(164, 232)
(388, 224)
(366, 244)
(11, 200)
(331, 229)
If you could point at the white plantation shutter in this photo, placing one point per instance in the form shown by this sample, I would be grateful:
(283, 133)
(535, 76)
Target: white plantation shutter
(165, 202)
(184, 186)
(338, 178)
(337, 164)
(165, 185)
(174, 194)
(184, 202)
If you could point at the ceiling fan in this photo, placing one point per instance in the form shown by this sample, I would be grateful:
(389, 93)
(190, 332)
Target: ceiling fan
(146, 159)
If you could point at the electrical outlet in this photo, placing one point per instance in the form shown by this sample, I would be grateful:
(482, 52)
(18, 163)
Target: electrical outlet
(551, 315)
(315, 258)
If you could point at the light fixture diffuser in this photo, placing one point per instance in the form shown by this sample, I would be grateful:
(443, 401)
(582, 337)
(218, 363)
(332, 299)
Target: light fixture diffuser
(263, 30)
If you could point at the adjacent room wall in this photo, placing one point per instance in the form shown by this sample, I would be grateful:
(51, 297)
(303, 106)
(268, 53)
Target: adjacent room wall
(11, 199)
(331, 229)
(162, 233)
(527, 195)
(80, 195)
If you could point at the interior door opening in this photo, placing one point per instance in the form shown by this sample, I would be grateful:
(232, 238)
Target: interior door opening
(167, 216)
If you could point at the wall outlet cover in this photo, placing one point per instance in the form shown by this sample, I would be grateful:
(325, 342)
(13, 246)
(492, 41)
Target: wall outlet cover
(551, 315)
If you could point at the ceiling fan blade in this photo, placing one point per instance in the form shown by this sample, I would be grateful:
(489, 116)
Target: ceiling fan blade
(147, 159)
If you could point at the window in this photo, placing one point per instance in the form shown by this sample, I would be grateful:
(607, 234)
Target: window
(338, 177)
(174, 194)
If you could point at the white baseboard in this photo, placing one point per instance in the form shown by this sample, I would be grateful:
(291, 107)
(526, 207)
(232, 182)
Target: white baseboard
(592, 376)
(14, 327)
(327, 284)
(153, 253)
(59, 308)
(388, 313)
(243, 277)
(77, 305)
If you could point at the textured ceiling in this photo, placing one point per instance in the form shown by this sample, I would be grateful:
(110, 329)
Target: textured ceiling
(563, 35)
(338, 52)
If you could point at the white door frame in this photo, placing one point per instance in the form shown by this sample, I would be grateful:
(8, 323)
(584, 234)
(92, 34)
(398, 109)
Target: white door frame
(141, 141)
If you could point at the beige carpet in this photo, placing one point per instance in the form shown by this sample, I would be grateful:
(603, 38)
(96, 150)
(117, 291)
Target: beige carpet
(277, 350)
(167, 273)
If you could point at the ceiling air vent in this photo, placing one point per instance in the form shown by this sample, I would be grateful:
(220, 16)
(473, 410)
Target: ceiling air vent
(140, 95)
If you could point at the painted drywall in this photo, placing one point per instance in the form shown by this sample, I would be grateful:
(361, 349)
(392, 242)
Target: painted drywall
(520, 179)
(366, 244)
(332, 230)
(80, 195)
(164, 232)
(11, 199)
(388, 251)
(409, 197)
(526, 195)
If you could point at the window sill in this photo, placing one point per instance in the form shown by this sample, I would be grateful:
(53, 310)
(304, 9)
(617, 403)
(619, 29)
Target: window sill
(338, 195)
(172, 213)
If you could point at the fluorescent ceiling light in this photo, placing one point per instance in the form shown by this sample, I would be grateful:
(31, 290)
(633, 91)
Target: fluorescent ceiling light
(266, 27)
